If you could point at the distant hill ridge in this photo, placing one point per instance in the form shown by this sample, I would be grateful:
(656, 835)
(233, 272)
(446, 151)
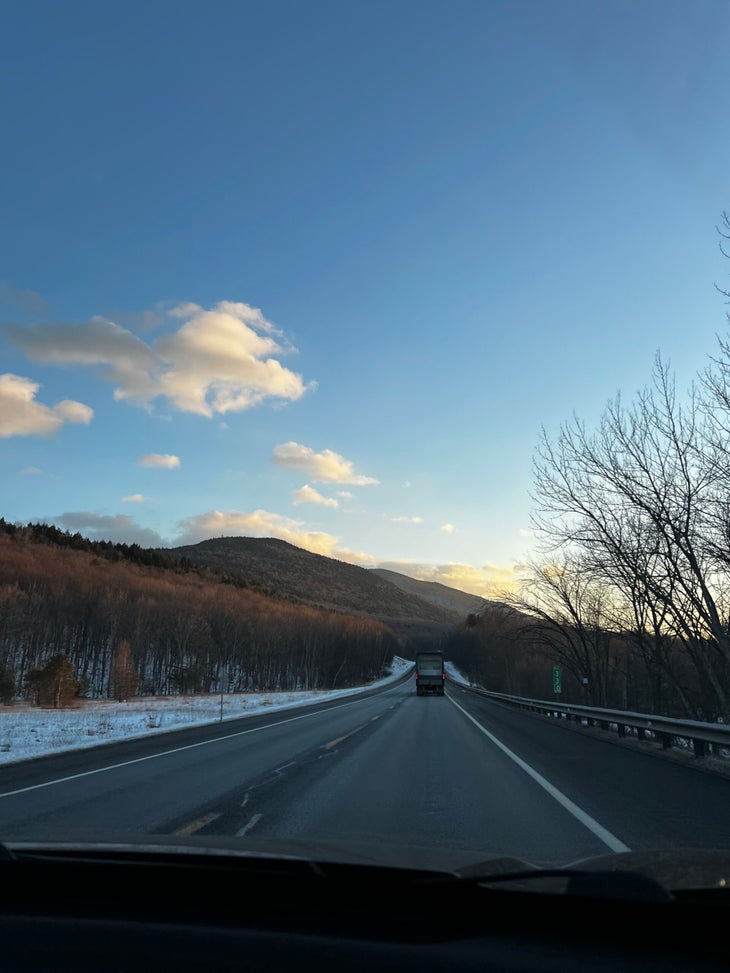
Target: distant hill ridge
(453, 599)
(328, 583)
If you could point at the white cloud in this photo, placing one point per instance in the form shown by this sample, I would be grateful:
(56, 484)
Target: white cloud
(219, 360)
(346, 494)
(30, 470)
(407, 520)
(166, 461)
(21, 415)
(407, 484)
(133, 498)
(308, 494)
(355, 557)
(324, 467)
(120, 528)
(523, 532)
(262, 523)
(447, 528)
(70, 411)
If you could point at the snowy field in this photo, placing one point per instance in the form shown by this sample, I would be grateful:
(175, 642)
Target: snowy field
(28, 731)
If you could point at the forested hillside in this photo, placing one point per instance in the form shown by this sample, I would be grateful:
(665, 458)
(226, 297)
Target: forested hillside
(328, 583)
(131, 621)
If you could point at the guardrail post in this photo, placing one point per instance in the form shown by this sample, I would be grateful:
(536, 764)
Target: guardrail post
(699, 748)
(666, 740)
(621, 730)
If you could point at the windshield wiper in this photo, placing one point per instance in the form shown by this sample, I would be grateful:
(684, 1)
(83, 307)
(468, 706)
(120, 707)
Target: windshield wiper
(598, 884)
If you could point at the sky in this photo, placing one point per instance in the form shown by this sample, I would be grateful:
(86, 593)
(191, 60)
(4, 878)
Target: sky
(323, 271)
(27, 732)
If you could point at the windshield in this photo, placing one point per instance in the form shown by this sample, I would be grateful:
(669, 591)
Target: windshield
(336, 332)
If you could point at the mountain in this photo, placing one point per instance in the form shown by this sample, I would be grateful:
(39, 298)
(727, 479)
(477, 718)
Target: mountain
(460, 602)
(324, 582)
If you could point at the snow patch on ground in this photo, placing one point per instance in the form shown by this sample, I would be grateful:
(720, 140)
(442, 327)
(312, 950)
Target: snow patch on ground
(29, 731)
(453, 673)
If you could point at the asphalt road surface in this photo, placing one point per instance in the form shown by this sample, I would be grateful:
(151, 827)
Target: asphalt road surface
(387, 777)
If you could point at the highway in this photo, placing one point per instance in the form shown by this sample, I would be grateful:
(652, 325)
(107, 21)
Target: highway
(386, 777)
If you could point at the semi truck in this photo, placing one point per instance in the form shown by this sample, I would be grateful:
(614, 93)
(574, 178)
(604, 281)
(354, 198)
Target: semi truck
(430, 674)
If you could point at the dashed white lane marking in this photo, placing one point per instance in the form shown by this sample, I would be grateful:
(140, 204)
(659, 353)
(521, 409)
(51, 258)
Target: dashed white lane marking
(251, 824)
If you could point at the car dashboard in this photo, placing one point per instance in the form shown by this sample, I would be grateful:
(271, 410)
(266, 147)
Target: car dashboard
(98, 908)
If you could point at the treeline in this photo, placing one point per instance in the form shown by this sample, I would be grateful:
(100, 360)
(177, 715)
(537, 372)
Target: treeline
(513, 651)
(50, 534)
(118, 551)
(164, 629)
(491, 648)
(631, 594)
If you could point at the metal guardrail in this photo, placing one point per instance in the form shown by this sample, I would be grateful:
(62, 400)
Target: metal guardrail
(704, 737)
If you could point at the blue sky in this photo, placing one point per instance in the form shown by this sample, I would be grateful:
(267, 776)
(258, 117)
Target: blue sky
(322, 270)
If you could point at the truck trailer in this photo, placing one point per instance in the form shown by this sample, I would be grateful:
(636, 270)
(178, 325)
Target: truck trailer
(430, 674)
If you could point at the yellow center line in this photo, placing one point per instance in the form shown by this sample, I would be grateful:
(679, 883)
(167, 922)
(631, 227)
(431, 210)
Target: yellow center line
(198, 824)
(333, 743)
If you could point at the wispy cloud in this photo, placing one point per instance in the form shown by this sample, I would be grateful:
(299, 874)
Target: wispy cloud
(324, 467)
(407, 520)
(167, 461)
(219, 360)
(22, 415)
(346, 494)
(133, 498)
(447, 528)
(308, 494)
(139, 321)
(30, 471)
(119, 528)
(24, 300)
(263, 523)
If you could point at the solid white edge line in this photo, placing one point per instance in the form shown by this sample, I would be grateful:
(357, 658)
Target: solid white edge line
(585, 819)
(189, 746)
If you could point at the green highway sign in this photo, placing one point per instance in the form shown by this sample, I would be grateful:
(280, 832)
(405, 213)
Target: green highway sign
(556, 679)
